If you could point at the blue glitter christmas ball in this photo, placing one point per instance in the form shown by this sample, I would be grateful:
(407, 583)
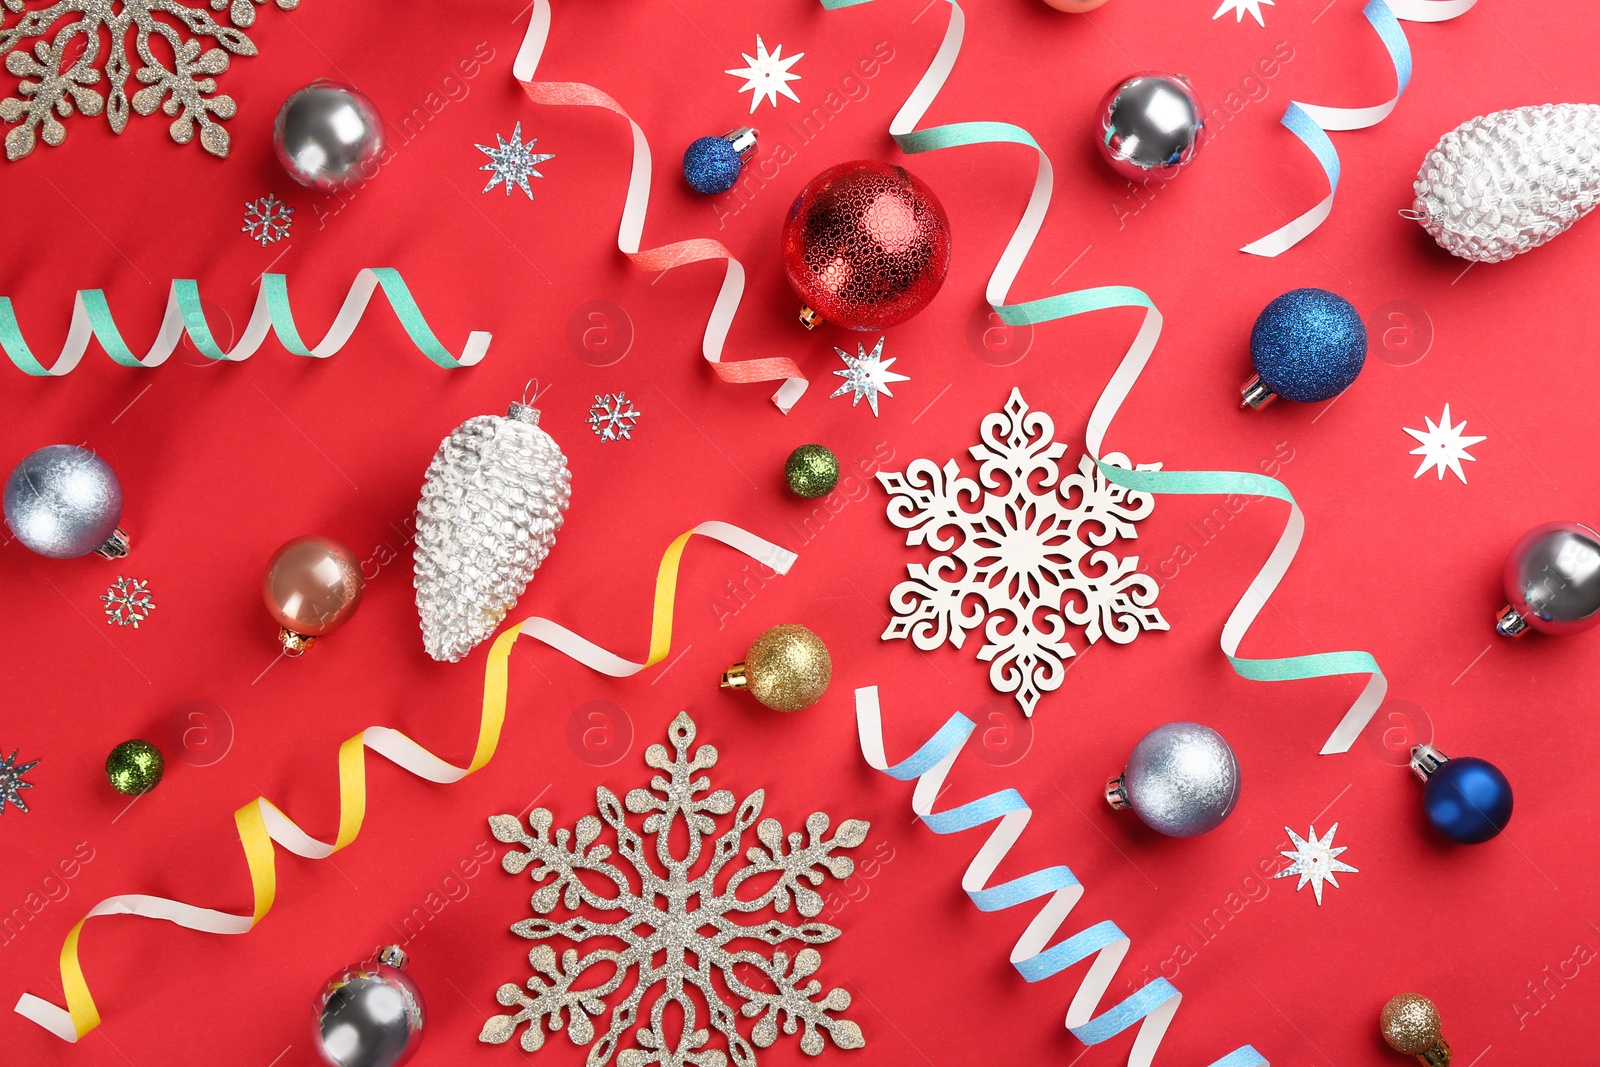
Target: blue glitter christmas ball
(1308, 345)
(712, 165)
(1468, 800)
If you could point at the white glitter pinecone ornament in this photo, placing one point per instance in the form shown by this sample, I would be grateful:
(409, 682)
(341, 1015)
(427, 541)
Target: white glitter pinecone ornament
(1510, 181)
(491, 504)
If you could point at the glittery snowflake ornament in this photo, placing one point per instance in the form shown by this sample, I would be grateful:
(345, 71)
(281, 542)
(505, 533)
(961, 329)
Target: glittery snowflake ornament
(492, 501)
(267, 220)
(676, 921)
(128, 602)
(11, 783)
(1023, 553)
(613, 417)
(166, 37)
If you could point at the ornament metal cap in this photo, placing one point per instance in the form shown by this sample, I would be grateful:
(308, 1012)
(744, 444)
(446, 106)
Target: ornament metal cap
(294, 644)
(391, 955)
(1254, 394)
(1425, 759)
(1117, 792)
(1510, 623)
(743, 141)
(1410, 1024)
(808, 318)
(116, 545)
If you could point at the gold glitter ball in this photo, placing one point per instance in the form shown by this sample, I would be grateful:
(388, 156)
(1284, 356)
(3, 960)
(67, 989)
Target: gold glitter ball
(1410, 1023)
(787, 668)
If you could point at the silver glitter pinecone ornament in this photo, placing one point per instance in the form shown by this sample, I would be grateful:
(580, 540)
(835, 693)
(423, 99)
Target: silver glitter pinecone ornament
(1510, 181)
(491, 504)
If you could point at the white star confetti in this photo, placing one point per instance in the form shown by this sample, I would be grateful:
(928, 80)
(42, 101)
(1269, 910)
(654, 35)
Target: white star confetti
(1443, 446)
(767, 75)
(1242, 7)
(128, 602)
(11, 783)
(866, 376)
(513, 163)
(1315, 861)
(267, 220)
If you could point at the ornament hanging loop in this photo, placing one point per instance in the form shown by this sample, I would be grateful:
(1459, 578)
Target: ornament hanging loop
(1411, 214)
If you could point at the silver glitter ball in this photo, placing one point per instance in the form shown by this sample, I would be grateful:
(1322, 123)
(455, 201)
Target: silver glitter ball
(328, 136)
(492, 501)
(1150, 126)
(64, 501)
(1182, 780)
(370, 1014)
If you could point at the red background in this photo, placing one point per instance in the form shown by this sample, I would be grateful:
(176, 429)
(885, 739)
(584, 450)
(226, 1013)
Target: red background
(220, 464)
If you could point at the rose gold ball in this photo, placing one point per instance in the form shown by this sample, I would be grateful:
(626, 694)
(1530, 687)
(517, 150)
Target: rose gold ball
(1410, 1023)
(1075, 5)
(313, 585)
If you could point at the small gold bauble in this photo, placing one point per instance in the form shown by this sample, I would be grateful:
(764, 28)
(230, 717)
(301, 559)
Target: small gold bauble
(1410, 1024)
(787, 668)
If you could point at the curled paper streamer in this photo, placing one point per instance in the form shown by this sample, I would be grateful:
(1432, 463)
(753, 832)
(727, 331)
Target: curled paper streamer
(92, 320)
(261, 824)
(1047, 309)
(631, 229)
(1310, 122)
(1152, 1006)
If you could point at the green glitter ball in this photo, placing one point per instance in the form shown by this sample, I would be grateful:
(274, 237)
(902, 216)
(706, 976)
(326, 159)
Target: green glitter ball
(812, 471)
(134, 767)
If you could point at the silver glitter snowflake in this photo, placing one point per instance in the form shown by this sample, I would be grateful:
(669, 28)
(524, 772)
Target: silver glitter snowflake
(128, 602)
(513, 163)
(676, 921)
(866, 376)
(1022, 552)
(267, 220)
(613, 417)
(1315, 861)
(166, 37)
(11, 783)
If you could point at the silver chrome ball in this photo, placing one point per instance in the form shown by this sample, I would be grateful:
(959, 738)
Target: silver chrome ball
(1182, 780)
(1150, 126)
(1552, 579)
(370, 1014)
(329, 135)
(64, 501)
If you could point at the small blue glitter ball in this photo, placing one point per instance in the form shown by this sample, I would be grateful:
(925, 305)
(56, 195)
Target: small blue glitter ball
(1308, 345)
(1468, 800)
(711, 165)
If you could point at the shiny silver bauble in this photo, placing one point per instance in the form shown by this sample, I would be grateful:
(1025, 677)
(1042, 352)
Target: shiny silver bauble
(370, 1014)
(64, 501)
(1150, 126)
(329, 136)
(1182, 780)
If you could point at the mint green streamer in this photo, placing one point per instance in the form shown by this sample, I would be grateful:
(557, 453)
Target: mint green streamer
(185, 298)
(1187, 483)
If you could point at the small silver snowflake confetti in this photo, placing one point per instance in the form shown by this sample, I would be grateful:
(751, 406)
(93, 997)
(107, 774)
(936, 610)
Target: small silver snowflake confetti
(866, 376)
(678, 921)
(513, 163)
(128, 602)
(267, 220)
(1315, 861)
(765, 76)
(11, 783)
(1025, 551)
(613, 417)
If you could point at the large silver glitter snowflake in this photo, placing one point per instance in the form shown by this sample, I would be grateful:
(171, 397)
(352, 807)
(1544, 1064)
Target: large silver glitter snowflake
(1023, 552)
(679, 921)
(76, 43)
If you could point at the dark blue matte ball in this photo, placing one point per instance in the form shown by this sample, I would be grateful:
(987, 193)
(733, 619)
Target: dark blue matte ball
(1468, 800)
(1308, 345)
(711, 165)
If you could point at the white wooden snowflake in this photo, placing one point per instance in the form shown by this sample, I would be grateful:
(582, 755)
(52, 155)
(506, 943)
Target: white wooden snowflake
(680, 923)
(267, 220)
(128, 602)
(165, 36)
(1022, 552)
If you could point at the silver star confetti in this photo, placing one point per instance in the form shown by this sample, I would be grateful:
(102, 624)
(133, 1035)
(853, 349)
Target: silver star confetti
(866, 376)
(128, 602)
(11, 783)
(1315, 861)
(513, 163)
(678, 919)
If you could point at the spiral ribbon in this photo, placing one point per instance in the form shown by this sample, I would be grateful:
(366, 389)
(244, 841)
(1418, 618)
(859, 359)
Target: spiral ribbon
(261, 823)
(1310, 122)
(903, 129)
(1153, 1005)
(92, 320)
(631, 229)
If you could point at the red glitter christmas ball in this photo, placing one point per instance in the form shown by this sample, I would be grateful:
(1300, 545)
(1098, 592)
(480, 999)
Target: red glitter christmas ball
(866, 245)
